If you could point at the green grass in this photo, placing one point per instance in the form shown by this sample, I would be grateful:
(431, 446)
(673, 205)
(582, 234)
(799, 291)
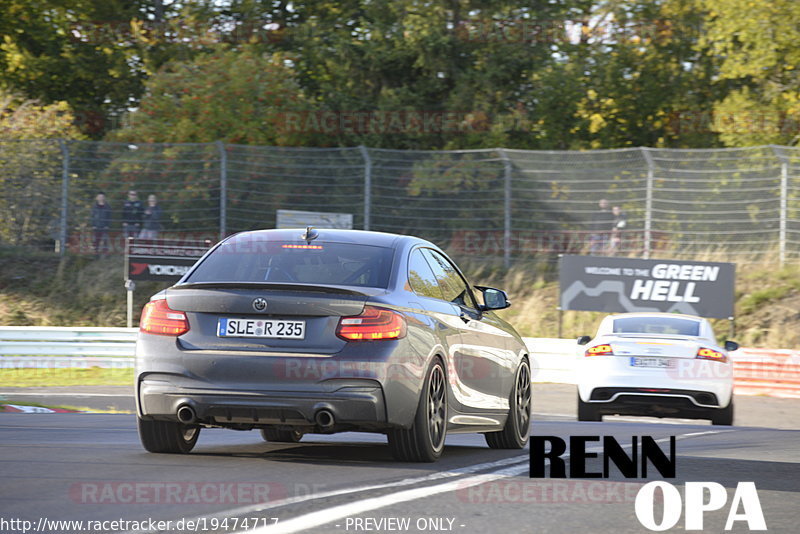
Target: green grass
(65, 407)
(94, 376)
(758, 298)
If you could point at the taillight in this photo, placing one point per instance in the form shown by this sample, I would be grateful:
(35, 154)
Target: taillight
(709, 354)
(599, 350)
(371, 325)
(158, 318)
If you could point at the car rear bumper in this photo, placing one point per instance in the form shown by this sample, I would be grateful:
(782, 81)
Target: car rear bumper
(694, 384)
(366, 385)
(353, 404)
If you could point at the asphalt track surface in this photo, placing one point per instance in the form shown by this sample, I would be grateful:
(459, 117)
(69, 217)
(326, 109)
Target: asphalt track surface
(92, 467)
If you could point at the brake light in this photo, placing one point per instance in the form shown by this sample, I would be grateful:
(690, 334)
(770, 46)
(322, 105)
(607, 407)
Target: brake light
(709, 354)
(599, 350)
(158, 318)
(303, 247)
(371, 325)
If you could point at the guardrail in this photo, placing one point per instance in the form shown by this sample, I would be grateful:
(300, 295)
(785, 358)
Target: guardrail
(756, 371)
(775, 373)
(72, 347)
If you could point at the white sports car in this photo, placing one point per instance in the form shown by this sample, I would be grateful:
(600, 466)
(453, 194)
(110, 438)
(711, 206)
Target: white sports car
(658, 365)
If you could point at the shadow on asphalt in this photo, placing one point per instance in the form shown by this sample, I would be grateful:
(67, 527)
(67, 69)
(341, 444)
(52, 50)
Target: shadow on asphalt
(355, 454)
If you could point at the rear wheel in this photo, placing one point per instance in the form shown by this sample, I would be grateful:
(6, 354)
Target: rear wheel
(723, 416)
(167, 436)
(516, 432)
(588, 412)
(424, 441)
(277, 435)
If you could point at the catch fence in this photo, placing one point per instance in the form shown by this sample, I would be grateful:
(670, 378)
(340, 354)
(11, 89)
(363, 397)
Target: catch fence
(501, 204)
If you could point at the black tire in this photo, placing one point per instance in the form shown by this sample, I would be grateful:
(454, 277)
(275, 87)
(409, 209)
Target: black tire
(167, 436)
(424, 441)
(516, 432)
(278, 435)
(588, 412)
(723, 416)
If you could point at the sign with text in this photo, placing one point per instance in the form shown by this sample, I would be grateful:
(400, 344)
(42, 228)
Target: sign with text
(162, 260)
(613, 285)
(317, 219)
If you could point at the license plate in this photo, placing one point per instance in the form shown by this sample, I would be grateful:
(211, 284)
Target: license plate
(659, 363)
(264, 328)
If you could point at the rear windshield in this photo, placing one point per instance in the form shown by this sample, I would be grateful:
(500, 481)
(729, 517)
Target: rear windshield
(292, 262)
(657, 325)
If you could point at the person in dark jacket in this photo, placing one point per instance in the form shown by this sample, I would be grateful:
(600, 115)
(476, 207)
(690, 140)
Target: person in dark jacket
(602, 224)
(132, 215)
(101, 223)
(151, 220)
(617, 228)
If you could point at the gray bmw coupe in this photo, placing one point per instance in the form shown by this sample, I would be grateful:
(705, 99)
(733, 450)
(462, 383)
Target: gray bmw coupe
(322, 331)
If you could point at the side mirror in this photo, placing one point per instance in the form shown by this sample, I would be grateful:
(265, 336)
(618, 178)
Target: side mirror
(583, 340)
(493, 299)
(731, 346)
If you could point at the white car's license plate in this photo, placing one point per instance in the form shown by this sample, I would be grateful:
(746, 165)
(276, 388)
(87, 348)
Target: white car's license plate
(659, 363)
(266, 328)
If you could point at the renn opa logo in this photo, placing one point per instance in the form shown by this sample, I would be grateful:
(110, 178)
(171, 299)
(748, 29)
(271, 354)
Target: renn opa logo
(645, 452)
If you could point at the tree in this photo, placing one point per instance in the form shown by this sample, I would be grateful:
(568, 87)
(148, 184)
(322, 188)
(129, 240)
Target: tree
(759, 43)
(31, 158)
(645, 78)
(78, 52)
(236, 96)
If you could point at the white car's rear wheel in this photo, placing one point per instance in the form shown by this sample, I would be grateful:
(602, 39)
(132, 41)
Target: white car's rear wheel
(723, 416)
(587, 411)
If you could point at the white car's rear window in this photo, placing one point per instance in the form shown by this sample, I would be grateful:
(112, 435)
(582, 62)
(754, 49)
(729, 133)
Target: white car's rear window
(657, 325)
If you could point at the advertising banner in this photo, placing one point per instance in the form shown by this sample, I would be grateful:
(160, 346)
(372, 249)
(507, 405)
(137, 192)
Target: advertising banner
(162, 260)
(614, 285)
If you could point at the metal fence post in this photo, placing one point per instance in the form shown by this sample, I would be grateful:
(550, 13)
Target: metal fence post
(648, 205)
(784, 212)
(367, 186)
(507, 176)
(223, 190)
(62, 235)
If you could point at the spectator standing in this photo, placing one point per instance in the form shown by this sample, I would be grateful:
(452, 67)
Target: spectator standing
(132, 215)
(101, 223)
(151, 219)
(602, 223)
(618, 225)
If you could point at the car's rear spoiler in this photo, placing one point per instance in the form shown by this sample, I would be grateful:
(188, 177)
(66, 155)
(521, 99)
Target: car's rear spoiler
(317, 288)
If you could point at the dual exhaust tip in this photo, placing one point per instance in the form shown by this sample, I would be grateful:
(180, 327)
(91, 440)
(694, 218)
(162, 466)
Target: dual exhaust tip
(324, 417)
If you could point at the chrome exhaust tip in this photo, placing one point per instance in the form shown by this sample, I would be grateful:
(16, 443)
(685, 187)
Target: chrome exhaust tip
(186, 414)
(325, 419)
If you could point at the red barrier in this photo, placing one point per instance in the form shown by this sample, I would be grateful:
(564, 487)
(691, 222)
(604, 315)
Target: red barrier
(775, 373)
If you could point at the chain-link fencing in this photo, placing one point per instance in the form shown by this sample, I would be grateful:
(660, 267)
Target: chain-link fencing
(500, 204)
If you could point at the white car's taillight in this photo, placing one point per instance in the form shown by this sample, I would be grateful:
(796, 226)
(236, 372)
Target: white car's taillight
(709, 354)
(599, 350)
